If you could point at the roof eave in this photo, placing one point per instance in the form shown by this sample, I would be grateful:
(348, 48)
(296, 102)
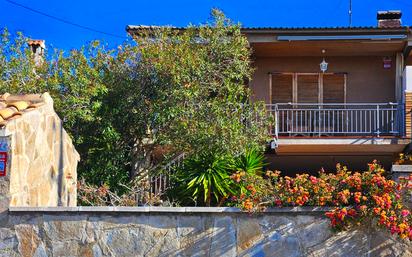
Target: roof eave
(317, 31)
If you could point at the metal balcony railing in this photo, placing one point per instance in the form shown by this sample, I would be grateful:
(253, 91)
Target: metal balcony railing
(340, 119)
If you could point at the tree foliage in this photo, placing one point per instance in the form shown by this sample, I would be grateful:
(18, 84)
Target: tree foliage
(187, 90)
(76, 81)
(170, 91)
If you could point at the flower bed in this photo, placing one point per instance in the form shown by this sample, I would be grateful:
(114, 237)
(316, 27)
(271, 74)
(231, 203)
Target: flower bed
(355, 196)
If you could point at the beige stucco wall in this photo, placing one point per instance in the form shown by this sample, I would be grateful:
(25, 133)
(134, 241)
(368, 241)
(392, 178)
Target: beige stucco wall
(367, 80)
(43, 161)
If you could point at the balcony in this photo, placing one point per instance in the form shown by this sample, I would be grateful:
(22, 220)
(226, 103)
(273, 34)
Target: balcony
(338, 128)
(337, 120)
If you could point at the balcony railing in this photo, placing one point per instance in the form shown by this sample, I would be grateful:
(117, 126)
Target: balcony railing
(348, 119)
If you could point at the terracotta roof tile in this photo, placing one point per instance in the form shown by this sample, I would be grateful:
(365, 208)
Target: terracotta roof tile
(13, 106)
(6, 113)
(19, 105)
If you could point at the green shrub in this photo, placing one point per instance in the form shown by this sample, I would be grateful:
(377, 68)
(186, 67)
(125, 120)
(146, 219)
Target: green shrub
(251, 162)
(204, 179)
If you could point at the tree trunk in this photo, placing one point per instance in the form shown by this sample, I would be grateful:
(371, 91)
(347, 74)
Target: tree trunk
(141, 159)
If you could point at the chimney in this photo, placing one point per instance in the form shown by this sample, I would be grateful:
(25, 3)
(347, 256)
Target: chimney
(389, 19)
(37, 48)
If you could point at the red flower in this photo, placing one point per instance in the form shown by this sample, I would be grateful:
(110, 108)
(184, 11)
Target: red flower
(405, 213)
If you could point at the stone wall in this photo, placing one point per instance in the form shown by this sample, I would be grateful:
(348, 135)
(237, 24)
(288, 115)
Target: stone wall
(42, 160)
(146, 231)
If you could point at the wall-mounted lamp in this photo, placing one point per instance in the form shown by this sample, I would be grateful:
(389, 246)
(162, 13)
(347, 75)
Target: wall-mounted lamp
(323, 65)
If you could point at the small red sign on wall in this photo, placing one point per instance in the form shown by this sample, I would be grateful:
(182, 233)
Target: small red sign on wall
(3, 163)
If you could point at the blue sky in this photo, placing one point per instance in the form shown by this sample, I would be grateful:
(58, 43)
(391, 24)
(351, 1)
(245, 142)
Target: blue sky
(113, 16)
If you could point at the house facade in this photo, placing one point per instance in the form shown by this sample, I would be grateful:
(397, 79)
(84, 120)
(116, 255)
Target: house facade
(338, 94)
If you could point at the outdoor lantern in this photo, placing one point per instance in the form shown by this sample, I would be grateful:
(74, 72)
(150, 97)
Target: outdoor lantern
(323, 66)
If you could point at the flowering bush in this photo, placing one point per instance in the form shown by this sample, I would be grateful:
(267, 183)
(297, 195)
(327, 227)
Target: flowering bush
(354, 196)
(404, 159)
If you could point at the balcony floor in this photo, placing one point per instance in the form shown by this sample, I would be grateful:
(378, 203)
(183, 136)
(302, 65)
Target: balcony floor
(340, 145)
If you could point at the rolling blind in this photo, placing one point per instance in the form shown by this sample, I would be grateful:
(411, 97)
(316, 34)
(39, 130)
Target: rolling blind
(308, 88)
(333, 88)
(282, 88)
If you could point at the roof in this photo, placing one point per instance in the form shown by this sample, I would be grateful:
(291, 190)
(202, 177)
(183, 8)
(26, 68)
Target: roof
(13, 106)
(337, 29)
(365, 28)
(143, 28)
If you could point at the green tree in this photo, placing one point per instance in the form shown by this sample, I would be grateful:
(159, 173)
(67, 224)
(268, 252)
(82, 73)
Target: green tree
(177, 91)
(76, 81)
(187, 90)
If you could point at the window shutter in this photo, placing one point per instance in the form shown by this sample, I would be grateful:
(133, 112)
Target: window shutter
(308, 88)
(282, 88)
(333, 88)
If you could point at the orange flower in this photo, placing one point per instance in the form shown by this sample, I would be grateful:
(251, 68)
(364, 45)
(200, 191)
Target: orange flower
(235, 177)
(252, 189)
(357, 197)
(370, 193)
(352, 212)
(363, 208)
(248, 205)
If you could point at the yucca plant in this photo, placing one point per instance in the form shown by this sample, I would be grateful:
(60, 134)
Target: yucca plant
(203, 179)
(251, 162)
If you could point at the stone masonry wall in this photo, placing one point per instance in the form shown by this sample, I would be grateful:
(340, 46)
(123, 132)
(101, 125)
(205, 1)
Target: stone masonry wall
(42, 160)
(144, 231)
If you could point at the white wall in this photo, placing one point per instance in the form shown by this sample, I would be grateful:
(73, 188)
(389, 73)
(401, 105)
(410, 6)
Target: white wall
(407, 79)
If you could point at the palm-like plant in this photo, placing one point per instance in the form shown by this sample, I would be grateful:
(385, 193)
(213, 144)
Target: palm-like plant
(251, 162)
(204, 179)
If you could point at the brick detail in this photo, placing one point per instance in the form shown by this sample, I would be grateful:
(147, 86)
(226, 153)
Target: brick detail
(393, 23)
(408, 114)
